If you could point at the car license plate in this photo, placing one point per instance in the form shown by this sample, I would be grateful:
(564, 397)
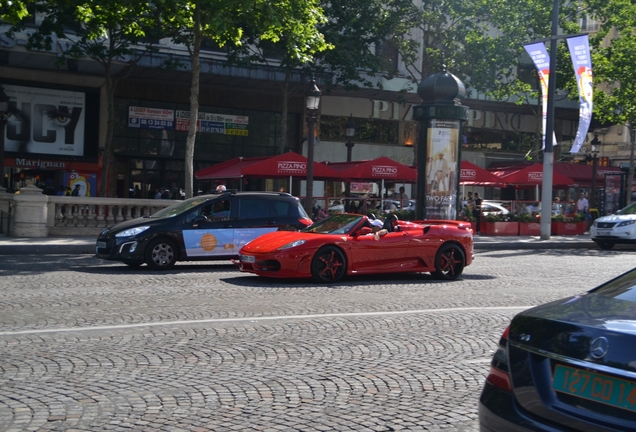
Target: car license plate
(101, 245)
(248, 258)
(602, 232)
(596, 387)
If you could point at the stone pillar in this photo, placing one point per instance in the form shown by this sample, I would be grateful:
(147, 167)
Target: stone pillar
(30, 213)
(439, 148)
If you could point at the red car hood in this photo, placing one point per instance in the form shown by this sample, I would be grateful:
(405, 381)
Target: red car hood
(272, 241)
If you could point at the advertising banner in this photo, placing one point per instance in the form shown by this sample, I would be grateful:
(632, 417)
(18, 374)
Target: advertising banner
(541, 59)
(213, 123)
(150, 118)
(582, 62)
(45, 121)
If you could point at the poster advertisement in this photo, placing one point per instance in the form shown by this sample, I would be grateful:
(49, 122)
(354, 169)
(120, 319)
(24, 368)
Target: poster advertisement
(45, 121)
(86, 181)
(441, 169)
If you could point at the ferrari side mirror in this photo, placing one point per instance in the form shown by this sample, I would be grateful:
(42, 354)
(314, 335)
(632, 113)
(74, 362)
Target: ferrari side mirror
(364, 231)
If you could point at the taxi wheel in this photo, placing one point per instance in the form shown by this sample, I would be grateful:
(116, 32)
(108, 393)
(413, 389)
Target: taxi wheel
(449, 262)
(329, 265)
(161, 254)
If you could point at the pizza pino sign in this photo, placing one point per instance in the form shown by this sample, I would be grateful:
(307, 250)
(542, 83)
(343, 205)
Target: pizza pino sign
(535, 177)
(468, 175)
(384, 171)
(291, 167)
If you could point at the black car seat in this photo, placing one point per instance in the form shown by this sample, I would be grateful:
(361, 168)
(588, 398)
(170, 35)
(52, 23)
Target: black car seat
(389, 222)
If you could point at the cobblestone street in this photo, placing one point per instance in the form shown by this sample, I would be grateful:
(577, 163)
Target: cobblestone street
(90, 345)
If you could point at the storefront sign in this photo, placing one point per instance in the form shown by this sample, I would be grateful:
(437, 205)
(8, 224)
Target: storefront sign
(292, 167)
(41, 164)
(384, 171)
(45, 121)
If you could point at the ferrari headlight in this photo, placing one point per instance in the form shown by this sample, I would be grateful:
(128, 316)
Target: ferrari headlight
(629, 222)
(292, 244)
(132, 231)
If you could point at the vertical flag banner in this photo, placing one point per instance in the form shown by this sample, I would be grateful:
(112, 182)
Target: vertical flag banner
(582, 62)
(541, 59)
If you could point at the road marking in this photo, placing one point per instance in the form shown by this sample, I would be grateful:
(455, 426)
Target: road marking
(256, 319)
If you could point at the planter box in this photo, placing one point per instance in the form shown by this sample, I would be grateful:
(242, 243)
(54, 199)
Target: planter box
(500, 228)
(568, 228)
(529, 229)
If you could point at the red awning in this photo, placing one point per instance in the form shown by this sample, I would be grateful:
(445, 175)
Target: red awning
(382, 168)
(532, 175)
(282, 166)
(472, 174)
(579, 173)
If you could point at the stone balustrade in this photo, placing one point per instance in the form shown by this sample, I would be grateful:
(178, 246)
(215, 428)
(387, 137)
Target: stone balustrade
(33, 214)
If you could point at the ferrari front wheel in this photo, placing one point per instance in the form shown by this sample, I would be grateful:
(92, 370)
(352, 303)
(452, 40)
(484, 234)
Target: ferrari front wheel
(449, 262)
(329, 265)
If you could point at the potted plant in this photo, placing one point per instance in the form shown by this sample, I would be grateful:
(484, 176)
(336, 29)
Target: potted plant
(466, 215)
(529, 225)
(499, 224)
(572, 224)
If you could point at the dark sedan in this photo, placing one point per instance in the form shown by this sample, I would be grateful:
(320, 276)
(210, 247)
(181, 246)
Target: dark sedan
(208, 227)
(567, 365)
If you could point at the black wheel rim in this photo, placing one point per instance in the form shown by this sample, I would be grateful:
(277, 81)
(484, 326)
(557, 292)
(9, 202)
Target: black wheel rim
(450, 262)
(330, 266)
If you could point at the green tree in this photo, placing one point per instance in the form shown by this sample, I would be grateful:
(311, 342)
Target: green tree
(294, 22)
(105, 31)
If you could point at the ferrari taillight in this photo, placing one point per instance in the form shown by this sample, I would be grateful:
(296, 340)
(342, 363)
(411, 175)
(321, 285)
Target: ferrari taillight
(305, 221)
(499, 374)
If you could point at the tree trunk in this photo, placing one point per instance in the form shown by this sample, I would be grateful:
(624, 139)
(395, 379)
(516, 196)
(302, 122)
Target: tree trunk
(194, 107)
(630, 174)
(106, 185)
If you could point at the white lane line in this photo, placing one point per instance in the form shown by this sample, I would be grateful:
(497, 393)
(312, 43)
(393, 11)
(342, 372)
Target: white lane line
(256, 319)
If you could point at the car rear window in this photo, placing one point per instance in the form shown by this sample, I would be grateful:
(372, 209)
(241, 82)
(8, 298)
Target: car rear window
(253, 208)
(622, 288)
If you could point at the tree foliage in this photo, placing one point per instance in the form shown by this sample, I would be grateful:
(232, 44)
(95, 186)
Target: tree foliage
(290, 22)
(615, 67)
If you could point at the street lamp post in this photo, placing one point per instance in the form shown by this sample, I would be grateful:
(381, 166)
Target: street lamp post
(4, 111)
(593, 156)
(350, 132)
(313, 102)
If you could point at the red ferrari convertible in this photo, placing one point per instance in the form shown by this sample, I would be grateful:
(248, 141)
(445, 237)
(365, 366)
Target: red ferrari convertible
(349, 244)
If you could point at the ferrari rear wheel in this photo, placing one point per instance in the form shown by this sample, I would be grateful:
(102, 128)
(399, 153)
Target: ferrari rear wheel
(329, 265)
(449, 262)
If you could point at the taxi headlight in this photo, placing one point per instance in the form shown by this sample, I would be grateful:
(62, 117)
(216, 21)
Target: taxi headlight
(132, 231)
(629, 222)
(292, 244)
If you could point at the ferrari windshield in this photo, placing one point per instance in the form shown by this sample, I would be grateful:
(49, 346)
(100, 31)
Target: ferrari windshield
(336, 224)
(180, 207)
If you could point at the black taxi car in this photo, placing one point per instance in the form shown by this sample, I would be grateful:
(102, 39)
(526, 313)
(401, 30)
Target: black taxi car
(208, 227)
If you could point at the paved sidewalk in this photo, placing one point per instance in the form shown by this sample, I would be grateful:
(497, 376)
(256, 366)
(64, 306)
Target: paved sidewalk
(86, 245)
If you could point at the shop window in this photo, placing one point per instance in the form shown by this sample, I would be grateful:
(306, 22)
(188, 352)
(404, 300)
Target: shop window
(367, 130)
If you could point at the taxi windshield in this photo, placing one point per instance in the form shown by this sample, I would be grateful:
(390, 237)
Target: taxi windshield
(178, 208)
(336, 224)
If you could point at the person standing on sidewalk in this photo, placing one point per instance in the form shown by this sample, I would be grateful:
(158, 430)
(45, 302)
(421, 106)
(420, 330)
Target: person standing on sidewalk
(477, 212)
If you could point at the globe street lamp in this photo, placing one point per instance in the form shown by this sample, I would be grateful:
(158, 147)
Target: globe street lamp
(4, 114)
(313, 102)
(593, 157)
(350, 132)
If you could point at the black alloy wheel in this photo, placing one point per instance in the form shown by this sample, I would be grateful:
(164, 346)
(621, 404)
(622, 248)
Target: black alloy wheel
(449, 262)
(329, 265)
